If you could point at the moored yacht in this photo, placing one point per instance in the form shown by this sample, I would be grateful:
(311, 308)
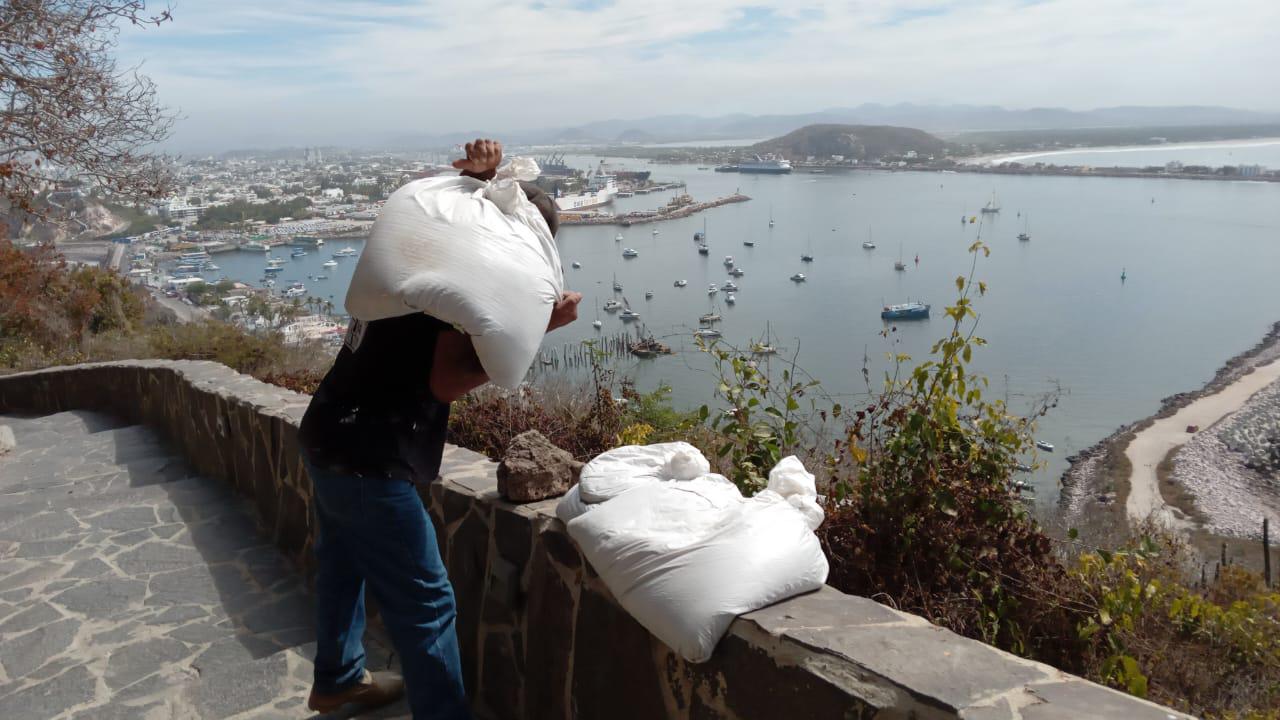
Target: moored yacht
(905, 311)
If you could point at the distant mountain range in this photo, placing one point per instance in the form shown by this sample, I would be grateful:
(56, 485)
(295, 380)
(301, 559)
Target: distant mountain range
(938, 119)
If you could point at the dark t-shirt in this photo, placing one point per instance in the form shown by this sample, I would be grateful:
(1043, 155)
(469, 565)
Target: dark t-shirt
(373, 413)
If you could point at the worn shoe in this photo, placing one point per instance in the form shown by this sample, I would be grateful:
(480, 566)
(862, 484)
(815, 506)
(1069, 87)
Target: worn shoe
(369, 692)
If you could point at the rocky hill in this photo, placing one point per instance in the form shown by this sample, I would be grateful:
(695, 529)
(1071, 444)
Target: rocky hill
(863, 142)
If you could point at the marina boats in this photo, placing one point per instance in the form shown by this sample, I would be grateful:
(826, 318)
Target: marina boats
(711, 333)
(729, 287)
(629, 315)
(629, 252)
(322, 277)
(737, 272)
(681, 283)
(297, 253)
(617, 238)
(648, 294)
(806, 258)
(730, 299)
(898, 264)
(712, 289)
(905, 311)
(577, 265)
(704, 250)
(764, 346)
(345, 252)
(612, 306)
(329, 263)
(992, 206)
(211, 268)
(1045, 446)
(798, 277)
(728, 261)
(749, 243)
(596, 323)
(868, 244)
(656, 231)
(1025, 235)
(770, 216)
(648, 347)
(272, 269)
(708, 318)
(295, 290)
(617, 286)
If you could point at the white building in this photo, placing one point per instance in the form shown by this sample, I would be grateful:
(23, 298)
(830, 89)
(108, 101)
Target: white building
(331, 193)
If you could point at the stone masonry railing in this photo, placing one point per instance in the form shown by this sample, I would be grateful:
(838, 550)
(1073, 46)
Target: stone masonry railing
(541, 635)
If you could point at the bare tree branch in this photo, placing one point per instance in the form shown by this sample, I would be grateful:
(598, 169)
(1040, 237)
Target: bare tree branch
(67, 111)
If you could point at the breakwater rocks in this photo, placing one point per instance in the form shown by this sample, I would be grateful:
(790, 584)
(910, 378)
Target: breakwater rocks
(1089, 480)
(1228, 470)
(641, 217)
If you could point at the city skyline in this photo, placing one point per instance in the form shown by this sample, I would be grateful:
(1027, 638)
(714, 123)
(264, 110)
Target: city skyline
(248, 74)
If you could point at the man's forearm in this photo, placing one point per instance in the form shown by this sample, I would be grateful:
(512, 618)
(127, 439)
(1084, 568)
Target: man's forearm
(455, 370)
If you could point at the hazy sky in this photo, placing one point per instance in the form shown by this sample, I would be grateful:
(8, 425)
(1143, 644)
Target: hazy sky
(293, 72)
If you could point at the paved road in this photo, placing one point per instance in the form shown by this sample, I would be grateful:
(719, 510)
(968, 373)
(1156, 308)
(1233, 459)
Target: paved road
(185, 312)
(130, 588)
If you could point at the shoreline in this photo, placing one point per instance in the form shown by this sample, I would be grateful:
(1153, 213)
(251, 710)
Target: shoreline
(1099, 476)
(1019, 156)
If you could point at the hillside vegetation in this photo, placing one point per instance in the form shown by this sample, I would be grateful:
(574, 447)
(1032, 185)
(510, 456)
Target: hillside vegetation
(861, 142)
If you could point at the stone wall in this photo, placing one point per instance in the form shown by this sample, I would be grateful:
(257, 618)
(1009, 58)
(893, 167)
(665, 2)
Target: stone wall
(541, 635)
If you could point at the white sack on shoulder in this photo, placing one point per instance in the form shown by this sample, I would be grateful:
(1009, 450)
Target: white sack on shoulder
(686, 556)
(475, 254)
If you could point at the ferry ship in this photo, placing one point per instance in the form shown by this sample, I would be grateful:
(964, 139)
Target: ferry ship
(905, 311)
(765, 165)
(601, 190)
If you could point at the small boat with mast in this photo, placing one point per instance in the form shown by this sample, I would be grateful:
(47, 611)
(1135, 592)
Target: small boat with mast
(770, 216)
(1025, 235)
(765, 345)
(868, 244)
(648, 347)
(992, 206)
(898, 264)
(617, 286)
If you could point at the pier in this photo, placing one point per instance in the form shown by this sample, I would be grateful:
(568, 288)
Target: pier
(648, 216)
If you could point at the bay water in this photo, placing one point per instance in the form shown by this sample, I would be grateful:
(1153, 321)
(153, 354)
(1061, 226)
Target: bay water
(1201, 259)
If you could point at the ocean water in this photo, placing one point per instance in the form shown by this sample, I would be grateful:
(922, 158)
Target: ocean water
(1201, 260)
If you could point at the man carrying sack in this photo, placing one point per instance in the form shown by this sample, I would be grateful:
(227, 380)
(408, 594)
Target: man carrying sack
(374, 429)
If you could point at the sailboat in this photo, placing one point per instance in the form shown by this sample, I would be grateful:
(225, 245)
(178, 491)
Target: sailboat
(808, 256)
(898, 264)
(1025, 235)
(868, 244)
(701, 236)
(992, 205)
(596, 323)
(627, 314)
(764, 346)
(770, 216)
(617, 286)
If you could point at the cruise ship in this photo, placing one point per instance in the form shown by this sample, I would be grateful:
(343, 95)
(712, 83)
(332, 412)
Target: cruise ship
(766, 165)
(601, 190)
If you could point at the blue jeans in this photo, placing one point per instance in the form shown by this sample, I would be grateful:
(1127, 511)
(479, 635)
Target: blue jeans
(375, 531)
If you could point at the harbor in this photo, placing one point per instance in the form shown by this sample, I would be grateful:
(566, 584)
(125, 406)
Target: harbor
(640, 217)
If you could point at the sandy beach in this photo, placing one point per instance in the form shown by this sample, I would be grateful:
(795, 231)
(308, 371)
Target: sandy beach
(1150, 445)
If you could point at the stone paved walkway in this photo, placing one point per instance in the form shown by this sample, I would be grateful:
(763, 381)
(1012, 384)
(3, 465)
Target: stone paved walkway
(131, 589)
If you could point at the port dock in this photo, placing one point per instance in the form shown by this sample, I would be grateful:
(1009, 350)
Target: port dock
(641, 217)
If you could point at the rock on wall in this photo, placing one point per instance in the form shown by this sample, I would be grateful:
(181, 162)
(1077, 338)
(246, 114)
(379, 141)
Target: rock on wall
(541, 636)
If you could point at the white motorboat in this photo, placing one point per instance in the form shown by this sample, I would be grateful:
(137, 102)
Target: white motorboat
(577, 265)
(1045, 446)
(629, 252)
(730, 299)
(707, 333)
(681, 283)
(729, 287)
(329, 263)
(798, 277)
(728, 261)
(712, 289)
(612, 306)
